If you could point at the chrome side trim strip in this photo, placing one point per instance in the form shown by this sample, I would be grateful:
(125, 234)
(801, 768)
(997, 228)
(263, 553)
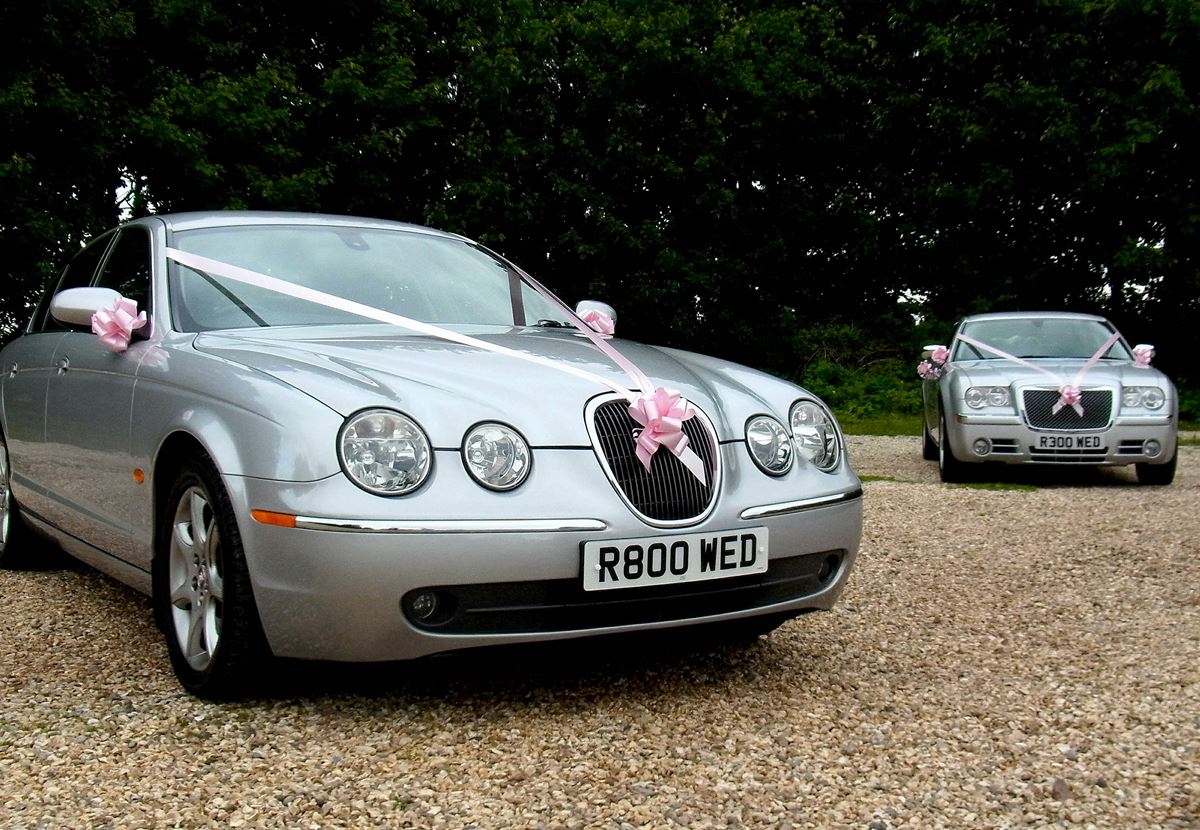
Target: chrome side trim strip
(450, 525)
(751, 513)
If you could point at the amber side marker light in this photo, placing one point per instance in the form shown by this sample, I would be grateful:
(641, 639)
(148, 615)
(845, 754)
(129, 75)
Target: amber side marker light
(139, 476)
(266, 517)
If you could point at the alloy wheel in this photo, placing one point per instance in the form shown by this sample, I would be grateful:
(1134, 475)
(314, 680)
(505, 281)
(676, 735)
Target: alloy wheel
(195, 579)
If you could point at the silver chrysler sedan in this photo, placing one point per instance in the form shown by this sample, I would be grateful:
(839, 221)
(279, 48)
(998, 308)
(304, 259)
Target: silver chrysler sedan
(358, 440)
(1046, 388)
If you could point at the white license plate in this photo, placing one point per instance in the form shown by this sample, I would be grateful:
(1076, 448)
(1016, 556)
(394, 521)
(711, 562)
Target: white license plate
(670, 559)
(1069, 442)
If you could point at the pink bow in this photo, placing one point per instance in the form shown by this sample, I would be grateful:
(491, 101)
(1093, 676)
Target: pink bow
(1142, 355)
(1069, 396)
(928, 371)
(599, 321)
(940, 355)
(661, 416)
(115, 325)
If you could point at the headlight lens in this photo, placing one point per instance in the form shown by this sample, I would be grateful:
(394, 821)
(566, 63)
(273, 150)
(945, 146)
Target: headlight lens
(384, 452)
(769, 445)
(496, 456)
(815, 434)
(1150, 397)
(978, 397)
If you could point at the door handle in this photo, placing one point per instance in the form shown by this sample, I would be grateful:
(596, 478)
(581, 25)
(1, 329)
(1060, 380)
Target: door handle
(63, 365)
(12, 370)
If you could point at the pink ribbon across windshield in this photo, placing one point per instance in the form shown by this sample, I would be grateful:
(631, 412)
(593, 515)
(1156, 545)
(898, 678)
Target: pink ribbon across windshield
(1069, 393)
(666, 428)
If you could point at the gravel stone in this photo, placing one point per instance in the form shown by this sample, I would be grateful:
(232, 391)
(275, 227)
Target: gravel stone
(1000, 659)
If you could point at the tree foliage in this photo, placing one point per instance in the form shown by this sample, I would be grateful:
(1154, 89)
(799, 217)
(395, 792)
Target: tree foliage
(752, 178)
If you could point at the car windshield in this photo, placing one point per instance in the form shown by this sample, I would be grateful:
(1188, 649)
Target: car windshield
(1033, 337)
(434, 279)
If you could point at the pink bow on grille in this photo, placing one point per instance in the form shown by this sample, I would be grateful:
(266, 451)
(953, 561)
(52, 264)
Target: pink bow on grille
(599, 321)
(115, 325)
(1142, 356)
(1069, 396)
(661, 416)
(940, 355)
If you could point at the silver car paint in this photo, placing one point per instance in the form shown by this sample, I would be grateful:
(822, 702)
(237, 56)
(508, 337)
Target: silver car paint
(266, 405)
(964, 425)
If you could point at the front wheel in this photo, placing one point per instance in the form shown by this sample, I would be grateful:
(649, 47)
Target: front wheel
(202, 595)
(950, 468)
(1158, 474)
(929, 450)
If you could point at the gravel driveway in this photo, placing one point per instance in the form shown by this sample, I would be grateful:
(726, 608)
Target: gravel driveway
(1019, 657)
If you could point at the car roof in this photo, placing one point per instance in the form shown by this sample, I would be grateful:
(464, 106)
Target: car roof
(233, 218)
(1033, 315)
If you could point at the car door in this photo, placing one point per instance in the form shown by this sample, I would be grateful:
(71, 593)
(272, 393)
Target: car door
(29, 367)
(88, 412)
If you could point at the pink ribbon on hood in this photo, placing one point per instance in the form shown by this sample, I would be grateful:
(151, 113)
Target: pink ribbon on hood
(661, 416)
(115, 325)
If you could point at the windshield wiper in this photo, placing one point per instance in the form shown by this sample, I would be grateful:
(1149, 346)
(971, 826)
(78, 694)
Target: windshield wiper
(552, 324)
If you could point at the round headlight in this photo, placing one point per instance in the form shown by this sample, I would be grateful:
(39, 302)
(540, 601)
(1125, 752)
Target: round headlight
(1153, 397)
(815, 434)
(976, 397)
(496, 456)
(1150, 397)
(997, 396)
(384, 452)
(769, 445)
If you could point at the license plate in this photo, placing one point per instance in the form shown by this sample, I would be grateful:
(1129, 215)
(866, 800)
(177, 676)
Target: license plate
(670, 559)
(1069, 442)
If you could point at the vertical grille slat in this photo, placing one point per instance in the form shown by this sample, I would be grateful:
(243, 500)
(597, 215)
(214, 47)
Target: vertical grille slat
(668, 492)
(1039, 410)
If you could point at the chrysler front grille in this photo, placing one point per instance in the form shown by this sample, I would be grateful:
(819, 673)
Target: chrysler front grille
(1040, 414)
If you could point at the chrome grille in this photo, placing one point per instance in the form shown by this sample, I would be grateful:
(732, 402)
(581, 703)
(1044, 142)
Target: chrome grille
(1039, 410)
(668, 492)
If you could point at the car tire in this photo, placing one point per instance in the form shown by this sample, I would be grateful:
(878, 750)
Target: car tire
(17, 541)
(1158, 474)
(950, 468)
(203, 600)
(929, 450)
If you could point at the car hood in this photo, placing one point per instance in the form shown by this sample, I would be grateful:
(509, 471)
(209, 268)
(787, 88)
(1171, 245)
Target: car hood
(1104, 373)
(449, 387)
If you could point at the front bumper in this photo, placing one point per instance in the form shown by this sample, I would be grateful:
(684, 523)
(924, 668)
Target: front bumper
(1010, 440)
(336, 590)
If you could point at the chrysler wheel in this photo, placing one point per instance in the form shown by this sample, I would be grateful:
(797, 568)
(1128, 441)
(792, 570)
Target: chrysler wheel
(951, 469)
(202, 594)
(1158, 474)
(15, 547)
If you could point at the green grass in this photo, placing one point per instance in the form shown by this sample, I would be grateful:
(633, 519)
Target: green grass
(877, 478)
(1189, 440)
(882, 425)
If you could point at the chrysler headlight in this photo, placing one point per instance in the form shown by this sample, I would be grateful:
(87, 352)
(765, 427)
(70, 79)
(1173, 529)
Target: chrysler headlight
(496, 456)
(1149, 397)
(815, 434)
(769, 445)
(978, 397)
(384, 452)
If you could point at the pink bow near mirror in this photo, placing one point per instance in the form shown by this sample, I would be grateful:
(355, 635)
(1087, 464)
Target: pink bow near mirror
(115, 324)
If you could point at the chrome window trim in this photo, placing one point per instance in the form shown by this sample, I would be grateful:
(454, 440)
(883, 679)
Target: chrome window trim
(450, 525)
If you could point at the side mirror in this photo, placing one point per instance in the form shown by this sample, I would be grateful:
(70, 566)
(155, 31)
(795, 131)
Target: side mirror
(585, 306)
(927, 351)
(75, 306)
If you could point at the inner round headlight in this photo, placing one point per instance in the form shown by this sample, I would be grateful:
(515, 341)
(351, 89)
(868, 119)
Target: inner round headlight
(815, 434)
(384, 452)
(496, 456)
(769, 445)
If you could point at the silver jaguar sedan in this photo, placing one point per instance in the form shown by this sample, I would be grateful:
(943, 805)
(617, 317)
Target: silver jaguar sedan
(348, 439)
(1046, 388)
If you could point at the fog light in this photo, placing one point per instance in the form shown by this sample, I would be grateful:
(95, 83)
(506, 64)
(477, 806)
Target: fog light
(1152, 448)
(982, 446)
(424, 605)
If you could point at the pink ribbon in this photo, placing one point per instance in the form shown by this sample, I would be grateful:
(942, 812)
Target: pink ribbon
(928, 371)
(661, 416)
(1068, 396)
(115, 325)
(1068, 393)
(940, 355)
(690, 460)
(599, 321)
(1142, 356)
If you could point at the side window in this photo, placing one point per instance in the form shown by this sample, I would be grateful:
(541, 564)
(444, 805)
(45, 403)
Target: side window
(78, 274)
(127, 270)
